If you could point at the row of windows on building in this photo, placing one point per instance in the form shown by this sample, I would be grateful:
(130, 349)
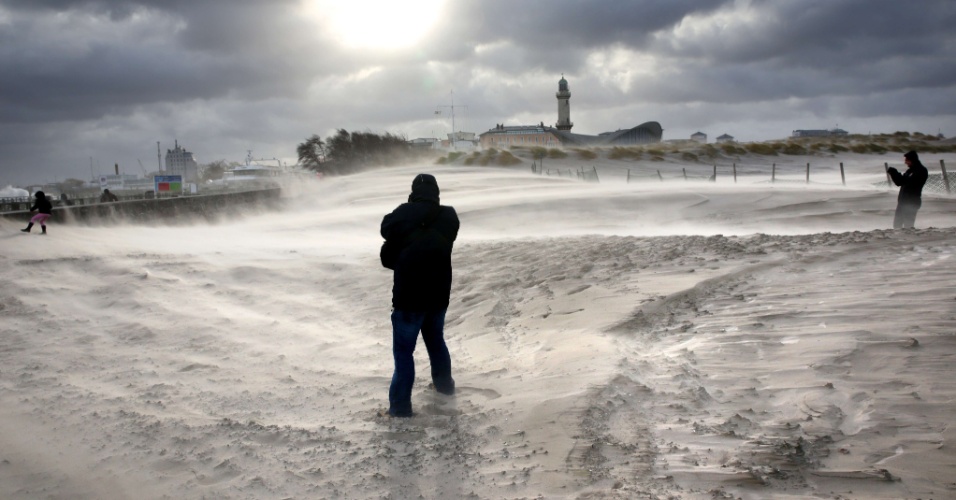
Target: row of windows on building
(513, 138)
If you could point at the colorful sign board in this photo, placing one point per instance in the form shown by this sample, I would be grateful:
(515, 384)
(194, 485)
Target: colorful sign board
(168, 183)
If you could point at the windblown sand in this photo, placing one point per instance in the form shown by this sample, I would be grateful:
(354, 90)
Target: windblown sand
(644, 340)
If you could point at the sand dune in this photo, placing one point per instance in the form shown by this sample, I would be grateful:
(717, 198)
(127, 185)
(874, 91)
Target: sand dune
(644, 340)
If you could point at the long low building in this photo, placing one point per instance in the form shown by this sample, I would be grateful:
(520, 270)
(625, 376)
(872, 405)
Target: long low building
(834, 132)
(541, 135)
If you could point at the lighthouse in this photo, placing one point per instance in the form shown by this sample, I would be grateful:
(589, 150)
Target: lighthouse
(564, 106)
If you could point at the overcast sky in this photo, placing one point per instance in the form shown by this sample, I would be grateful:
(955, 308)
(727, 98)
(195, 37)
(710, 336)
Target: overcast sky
(107, 79)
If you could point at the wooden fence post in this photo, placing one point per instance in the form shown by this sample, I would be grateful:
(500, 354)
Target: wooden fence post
(942, 166)
(808, 173)
(659, 175)
(735, 173)
(773, 173)
(596, 178)
(842, 175)
(714, 177)
(889, 181)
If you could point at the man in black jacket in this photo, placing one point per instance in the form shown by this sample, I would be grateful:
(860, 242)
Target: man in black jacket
(424, 231)
(911, 188)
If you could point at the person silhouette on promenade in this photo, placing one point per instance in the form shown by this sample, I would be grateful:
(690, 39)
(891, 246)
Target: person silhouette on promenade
(423, 232)
(108, 197)
(911, 188)
(44, 209)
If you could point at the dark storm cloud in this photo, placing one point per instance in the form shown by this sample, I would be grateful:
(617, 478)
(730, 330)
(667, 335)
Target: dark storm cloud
(148, 52)
(111, 77)
(117, 9)
(805, 48)
(558, 34)
(717, 51)
(571, 24)
(253, 49)
(825, 33)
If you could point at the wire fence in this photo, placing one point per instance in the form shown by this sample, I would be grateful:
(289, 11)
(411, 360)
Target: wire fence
(582, 173)
(935, 183)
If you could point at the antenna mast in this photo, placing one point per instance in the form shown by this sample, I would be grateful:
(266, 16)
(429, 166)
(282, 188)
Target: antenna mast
(454, 135)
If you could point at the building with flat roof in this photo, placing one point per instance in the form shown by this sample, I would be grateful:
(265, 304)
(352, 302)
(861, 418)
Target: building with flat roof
(503, 136)
(425, 143)
(819, 133)
(182, 162)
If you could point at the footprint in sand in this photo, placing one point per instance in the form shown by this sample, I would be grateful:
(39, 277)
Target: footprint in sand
(445, 406)
(409, 436)
(198, 366)
(225, 471)
(462, 402)
(486, 393)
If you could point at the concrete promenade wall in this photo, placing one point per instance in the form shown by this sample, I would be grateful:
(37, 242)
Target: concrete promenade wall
(171, 210)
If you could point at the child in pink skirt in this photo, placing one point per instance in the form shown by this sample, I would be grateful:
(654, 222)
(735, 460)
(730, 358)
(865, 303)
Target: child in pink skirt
(44, 211)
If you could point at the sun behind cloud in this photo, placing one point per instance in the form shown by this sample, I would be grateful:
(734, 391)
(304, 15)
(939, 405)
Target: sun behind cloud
(375, 24)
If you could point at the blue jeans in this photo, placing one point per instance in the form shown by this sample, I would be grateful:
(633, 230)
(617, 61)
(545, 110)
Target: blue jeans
(405, 328)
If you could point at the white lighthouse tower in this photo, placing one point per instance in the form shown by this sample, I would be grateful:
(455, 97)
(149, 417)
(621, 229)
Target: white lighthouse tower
(564, 106)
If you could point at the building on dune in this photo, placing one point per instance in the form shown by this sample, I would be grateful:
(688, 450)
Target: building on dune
(725, 138)
(460, 141)
(503, 136)
(835, 132)
(425, 143)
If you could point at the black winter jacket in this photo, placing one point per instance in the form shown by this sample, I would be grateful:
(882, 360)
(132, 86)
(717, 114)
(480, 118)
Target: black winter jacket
(42, 205)
(911, 183)
(422, 275)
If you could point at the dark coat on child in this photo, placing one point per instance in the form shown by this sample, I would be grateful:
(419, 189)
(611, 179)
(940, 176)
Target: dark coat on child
(42, 205)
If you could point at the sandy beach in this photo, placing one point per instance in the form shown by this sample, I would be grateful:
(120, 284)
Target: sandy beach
(664, 340)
